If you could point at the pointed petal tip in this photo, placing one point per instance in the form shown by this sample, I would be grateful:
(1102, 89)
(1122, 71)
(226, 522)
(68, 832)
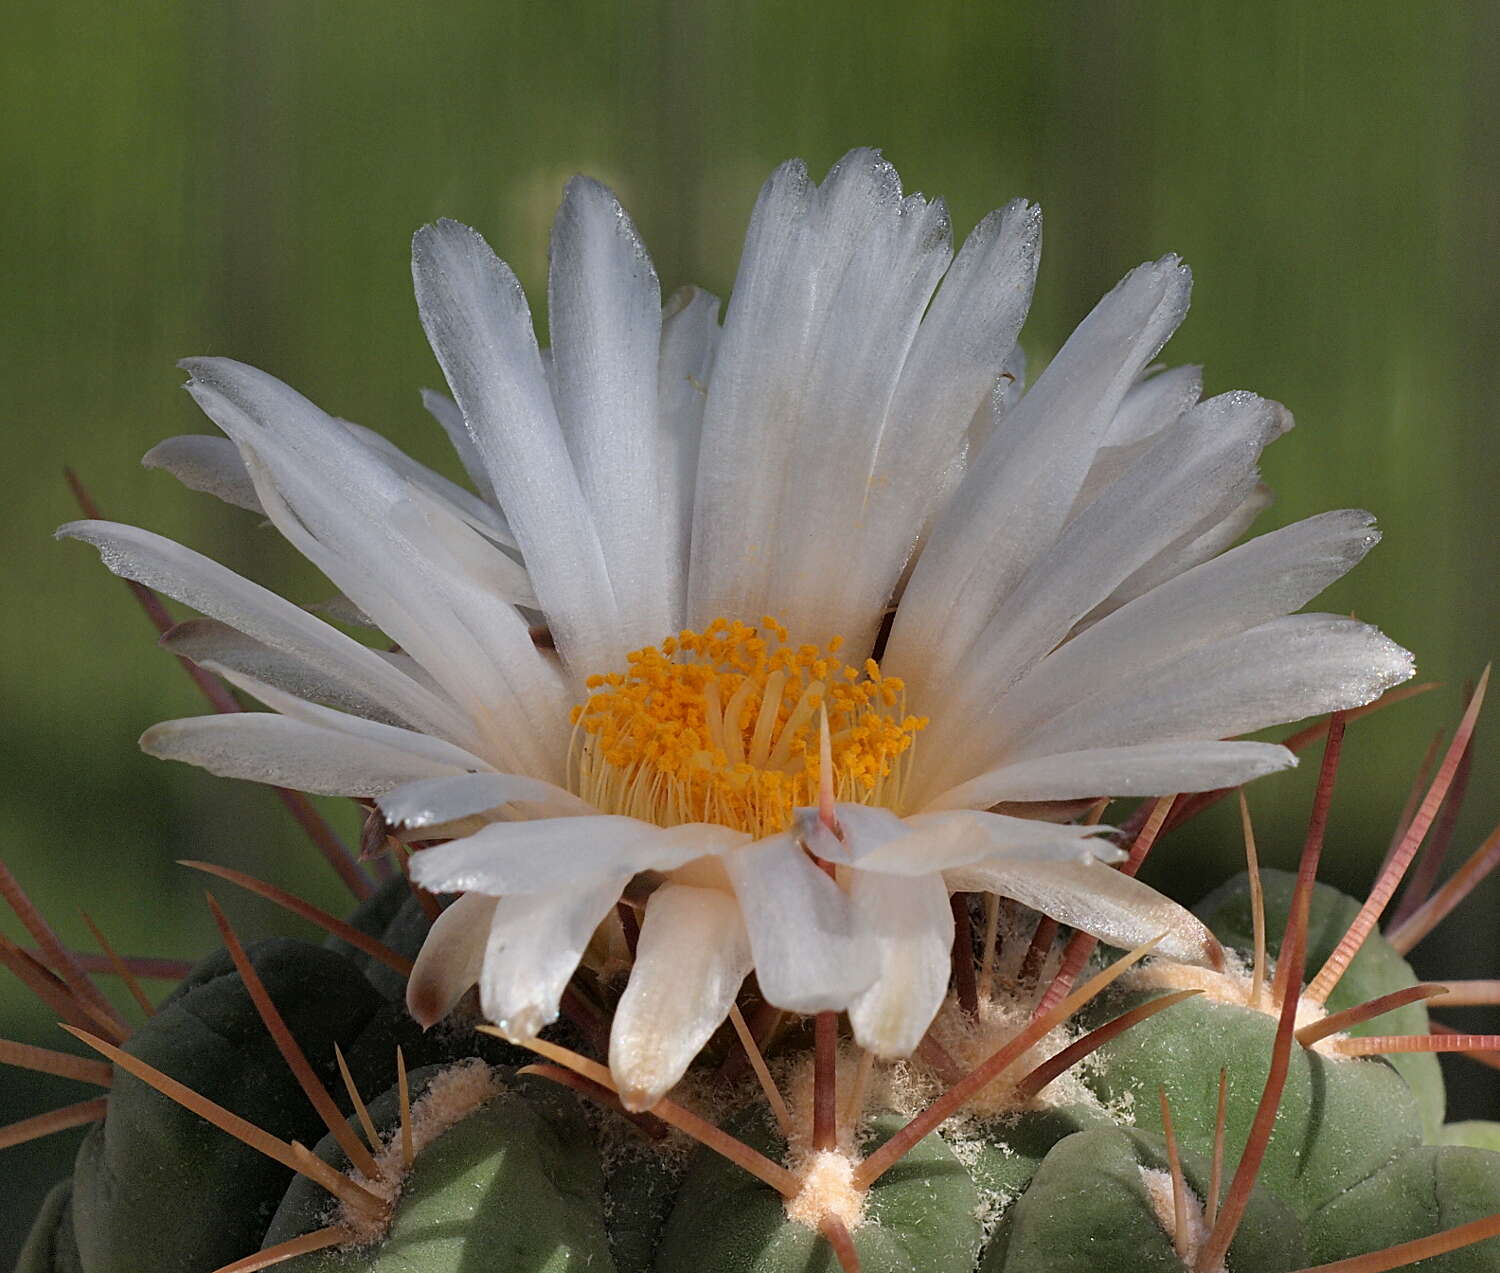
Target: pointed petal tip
(153, 741)
(528, 1021)
(424, 1004)
(581, 186)
(78, 529)
(638, 1100)
(447, 233)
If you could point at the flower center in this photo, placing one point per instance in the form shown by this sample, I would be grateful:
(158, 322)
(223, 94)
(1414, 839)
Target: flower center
(723, 726)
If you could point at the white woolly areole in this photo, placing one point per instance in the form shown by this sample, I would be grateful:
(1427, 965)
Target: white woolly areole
(828, 1189)
(1232, 986)
(971, 1041)
(1159, 1190)
(451, 1096)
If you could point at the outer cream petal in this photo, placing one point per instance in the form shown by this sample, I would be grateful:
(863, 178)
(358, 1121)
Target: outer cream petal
(546, 854)
(1148, 769)
(908, 922)
(266, 747)
(692, 956)
(534, 947)
(1115, 908)
(432, 802)
(807, 958)
(450, 959)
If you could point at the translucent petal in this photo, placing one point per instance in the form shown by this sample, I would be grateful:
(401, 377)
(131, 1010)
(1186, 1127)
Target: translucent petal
(450, 959)
(1147, 769)
(1264, 579)
(266, 747)
(832, 286)
(692, 956)
(909, 924)
(479, 326)
(545, 854)
(535, 943)
(1302, 665)
(435, 801)
(1115, 908)
(208, 464)
(1190, 478)
(205, 585)
(1019, 489)
(604, 305)
(807, 958)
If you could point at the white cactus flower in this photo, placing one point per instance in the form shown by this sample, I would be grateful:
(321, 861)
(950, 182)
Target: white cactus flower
(720, 528)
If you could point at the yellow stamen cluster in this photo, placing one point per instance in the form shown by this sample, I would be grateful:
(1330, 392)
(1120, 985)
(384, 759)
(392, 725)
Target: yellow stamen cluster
(723, 725)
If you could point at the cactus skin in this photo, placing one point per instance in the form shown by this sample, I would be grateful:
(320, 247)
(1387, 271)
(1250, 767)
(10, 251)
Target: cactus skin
(521, 1186)
(1087, 1209)
(51, 1247)
(923, 1214)
(157, 1188)
(1475, 1134)
(1376, 970)
(1325, 1143)
(1429, 1188)
(519, 1180)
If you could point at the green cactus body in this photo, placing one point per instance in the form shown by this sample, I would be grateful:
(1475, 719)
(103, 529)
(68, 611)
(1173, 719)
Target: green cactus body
(923, 1214)
(540, 1182)
(518, 1178)
(51, 1246)
(155, 1186)
(1376, 970)
(1425, 1190)
(1090, 1207)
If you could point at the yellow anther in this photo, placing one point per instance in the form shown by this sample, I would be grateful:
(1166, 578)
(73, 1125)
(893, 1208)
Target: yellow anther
(721, 726)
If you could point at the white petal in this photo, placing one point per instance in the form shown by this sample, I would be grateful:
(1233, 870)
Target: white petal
(437, 750)
(207, 641)
(1190, 478)
(1155, 402)
(544, 854)
(909, 923)
(1115, 908)
(479, 326)
(473, 646)
(807, 958)
(1017, 493)
(450, 959)
(832, 286)
(265, 747)
(208, 464)
(1148, 769)
(205, 585)
(461, 503)
(877, 840)
(689, 342)
(692, 956)
(345, 508)
(1172, 561)
(604, 306)
(964, 343)
(1262, 580)
(452, 542)
(535, 943)
(445, 411)
(1303, 665)
(435, 801)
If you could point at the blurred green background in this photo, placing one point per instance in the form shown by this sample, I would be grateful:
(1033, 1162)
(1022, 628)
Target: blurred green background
(242, 178)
